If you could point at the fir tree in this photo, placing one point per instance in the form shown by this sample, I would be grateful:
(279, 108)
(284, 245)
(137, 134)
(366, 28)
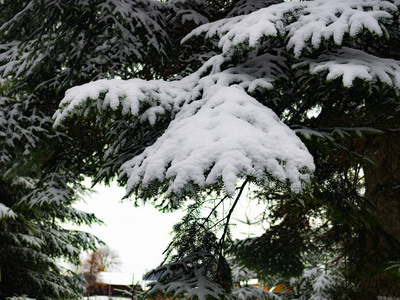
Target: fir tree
(199, 98)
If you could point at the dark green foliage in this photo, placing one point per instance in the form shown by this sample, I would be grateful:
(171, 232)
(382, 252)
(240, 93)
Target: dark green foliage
(277, 253)
(193, 234)
(194, 254)
(31, 243)
(347, 215)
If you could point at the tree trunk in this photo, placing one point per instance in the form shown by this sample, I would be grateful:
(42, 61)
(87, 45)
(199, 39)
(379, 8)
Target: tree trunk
(382, 187)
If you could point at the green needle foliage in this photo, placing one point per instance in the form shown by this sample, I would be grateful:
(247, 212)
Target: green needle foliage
(184, 100)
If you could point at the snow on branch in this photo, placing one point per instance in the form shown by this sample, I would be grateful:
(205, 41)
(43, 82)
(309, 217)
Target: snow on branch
(188, 278)
(242, 289)
(329, 132)
(6, 212)
(218, 131)
(131, 96)
(227, 135)
(305, 24)
(148, 99)
(317, 283)
(245, 7)
(188, 11)
(250, 292)
(321, 20)
(239, 29)
(352, 64)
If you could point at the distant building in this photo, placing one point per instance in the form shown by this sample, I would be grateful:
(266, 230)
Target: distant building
(113, 284)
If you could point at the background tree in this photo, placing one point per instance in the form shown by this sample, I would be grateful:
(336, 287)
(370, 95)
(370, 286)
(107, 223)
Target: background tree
(92, 266)
(39, 180)
(101, 260)
(32, 244)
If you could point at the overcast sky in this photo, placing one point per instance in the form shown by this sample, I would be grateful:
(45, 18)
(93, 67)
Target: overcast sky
(138, 235)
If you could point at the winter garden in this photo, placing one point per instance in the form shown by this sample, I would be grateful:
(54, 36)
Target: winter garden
(187, 104)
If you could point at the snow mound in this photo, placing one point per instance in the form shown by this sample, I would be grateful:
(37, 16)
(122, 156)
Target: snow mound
(228, 135)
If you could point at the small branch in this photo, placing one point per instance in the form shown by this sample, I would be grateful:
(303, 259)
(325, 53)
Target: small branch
(228, 217)
(214, 208)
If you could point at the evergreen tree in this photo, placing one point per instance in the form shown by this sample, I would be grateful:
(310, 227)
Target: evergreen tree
(40, 178)
(32, 244)
(203, 98)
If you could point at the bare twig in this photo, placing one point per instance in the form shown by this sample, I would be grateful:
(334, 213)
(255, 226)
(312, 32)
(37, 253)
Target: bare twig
(229, 216)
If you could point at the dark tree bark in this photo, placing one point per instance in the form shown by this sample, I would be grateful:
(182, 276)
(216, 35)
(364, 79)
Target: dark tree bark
(382, 186)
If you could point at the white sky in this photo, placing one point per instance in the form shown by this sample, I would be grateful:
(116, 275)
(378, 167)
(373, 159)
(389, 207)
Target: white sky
(138, 235)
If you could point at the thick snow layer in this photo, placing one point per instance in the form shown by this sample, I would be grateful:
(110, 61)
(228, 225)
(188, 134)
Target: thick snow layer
(218, 131)
(227, 135)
